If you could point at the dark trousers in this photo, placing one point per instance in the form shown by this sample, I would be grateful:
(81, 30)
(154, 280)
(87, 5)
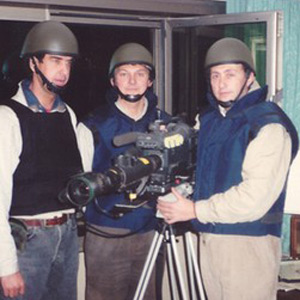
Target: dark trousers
(114, 266)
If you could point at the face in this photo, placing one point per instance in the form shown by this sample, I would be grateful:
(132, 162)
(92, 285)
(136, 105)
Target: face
(227, 81)
(56, 68)
(131, 79)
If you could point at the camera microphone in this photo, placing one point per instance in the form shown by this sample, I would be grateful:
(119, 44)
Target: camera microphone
(125, 139)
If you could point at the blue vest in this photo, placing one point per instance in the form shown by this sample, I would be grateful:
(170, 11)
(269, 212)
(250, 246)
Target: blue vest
(106, 123)
(222, 145)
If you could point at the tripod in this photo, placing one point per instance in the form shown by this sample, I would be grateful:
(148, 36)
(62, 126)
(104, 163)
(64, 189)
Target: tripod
(167, 233)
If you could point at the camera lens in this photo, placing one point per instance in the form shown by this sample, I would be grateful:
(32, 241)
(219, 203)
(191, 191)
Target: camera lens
(79, 192)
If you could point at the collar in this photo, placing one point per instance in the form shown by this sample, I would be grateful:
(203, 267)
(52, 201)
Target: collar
(222, 110)
(112, 97)
(140, 116)
(248, 100)
(34, 104)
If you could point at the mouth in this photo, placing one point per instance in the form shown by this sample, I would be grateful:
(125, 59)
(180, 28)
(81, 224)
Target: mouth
(131, 91)
(225, 95)
(60, 82)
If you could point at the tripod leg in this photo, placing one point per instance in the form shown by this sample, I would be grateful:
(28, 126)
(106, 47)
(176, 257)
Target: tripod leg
(191, 253)
(190, 270)
(149, 264)
(171, 270)
(177, 264)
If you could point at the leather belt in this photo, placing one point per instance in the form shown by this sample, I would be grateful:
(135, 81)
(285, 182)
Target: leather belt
(47, 222)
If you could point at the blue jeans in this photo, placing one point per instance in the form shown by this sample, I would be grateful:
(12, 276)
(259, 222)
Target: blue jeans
(49, 263)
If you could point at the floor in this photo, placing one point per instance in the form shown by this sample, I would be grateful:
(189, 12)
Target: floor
(291, 295)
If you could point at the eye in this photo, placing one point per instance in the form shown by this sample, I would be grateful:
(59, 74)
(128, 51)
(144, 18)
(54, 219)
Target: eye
(55, 60)
(122, 74)
(214, 76)
(230, 75)
(142, 74)
(69, 63)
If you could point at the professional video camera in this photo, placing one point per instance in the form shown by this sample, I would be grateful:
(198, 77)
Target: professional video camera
(160, 159)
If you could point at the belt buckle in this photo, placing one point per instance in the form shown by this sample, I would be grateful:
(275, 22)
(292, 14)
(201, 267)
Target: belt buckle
(56, 221)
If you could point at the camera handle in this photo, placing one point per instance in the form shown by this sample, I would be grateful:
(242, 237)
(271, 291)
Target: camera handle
(167, 234)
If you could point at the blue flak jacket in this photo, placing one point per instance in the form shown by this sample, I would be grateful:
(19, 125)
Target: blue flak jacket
(106, 122)
(222, 144)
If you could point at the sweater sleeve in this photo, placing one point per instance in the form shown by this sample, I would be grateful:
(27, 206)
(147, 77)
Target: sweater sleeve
(11, 144)
(86, 146)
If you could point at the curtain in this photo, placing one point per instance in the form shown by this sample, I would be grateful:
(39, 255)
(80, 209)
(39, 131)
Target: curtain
(291, 66)
(291, 47)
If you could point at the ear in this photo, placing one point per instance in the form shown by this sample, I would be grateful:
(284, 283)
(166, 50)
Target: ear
(31, 64)
(150, 83)
(112, 81)
(250, 80)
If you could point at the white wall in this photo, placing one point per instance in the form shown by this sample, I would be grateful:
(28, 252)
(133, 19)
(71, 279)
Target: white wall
(292, 203)
(81, 277)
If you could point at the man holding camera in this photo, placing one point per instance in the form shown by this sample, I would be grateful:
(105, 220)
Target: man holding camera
(245, 147)
(39, 152)
(116, 247)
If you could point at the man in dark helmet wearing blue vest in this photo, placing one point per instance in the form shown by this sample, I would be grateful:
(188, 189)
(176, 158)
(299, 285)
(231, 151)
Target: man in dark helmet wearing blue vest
(39, 152)
(245, 148)
(116, 248)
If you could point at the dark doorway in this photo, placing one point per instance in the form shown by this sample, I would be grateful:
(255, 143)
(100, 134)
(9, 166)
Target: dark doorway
(89, 80)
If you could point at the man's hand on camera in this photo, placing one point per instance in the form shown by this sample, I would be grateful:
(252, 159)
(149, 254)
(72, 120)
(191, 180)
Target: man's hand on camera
(181, 210)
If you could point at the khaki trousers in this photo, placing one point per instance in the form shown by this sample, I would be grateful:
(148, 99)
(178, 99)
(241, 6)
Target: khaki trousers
(239, 267)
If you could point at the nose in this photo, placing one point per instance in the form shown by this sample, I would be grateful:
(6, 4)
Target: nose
(65, 68)
(132, 79)
(222, 81)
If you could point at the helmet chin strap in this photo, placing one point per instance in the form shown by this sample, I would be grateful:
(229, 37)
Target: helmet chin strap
(50, 86)
(226, 104)
(230, 103)
(130, 98)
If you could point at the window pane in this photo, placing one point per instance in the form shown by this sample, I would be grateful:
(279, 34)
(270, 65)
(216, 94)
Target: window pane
(190, 45)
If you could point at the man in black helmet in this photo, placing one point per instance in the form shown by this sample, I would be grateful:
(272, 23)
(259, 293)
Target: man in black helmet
(39, 243)
(245, 148)
(116, 248)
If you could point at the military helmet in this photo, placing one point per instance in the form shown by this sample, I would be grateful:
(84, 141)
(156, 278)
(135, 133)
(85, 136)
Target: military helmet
(131, 53)
(227, 51)
(50, 37)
